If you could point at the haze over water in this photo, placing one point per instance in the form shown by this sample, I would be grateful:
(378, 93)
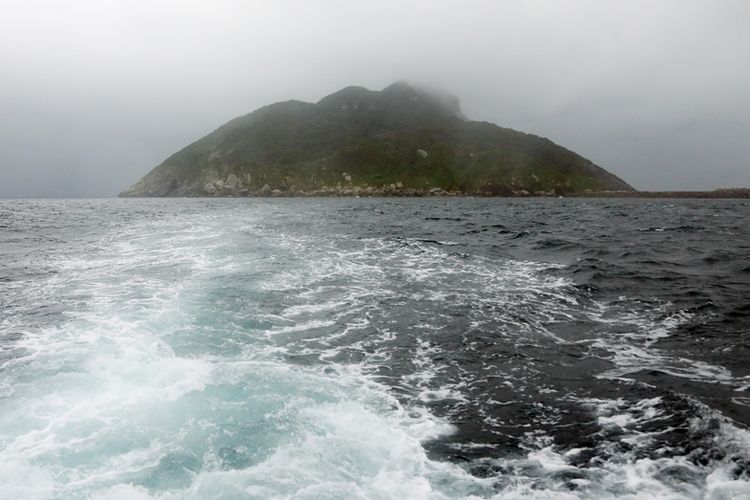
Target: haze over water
(363, 348)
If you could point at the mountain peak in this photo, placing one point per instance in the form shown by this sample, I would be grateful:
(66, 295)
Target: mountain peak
(400, 86)
(400, 96)
(348, 96)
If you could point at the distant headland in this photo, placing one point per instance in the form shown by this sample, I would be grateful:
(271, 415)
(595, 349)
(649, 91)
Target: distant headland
(401, 141)
(716, 193)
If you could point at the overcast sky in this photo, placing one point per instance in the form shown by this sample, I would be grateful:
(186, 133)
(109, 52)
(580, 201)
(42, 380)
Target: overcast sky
(93, 94)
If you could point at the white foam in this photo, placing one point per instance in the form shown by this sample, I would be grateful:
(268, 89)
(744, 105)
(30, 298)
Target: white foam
(18, 479)
(302, 327)
(721, 486)
(123, 492)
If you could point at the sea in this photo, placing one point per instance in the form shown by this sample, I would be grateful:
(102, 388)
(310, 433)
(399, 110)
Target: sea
(392, 348)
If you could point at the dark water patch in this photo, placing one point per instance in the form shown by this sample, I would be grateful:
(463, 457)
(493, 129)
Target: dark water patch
(521, 234)
(453, 219)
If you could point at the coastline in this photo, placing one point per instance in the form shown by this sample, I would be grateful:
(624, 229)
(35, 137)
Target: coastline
(735, 193)
(741, 193)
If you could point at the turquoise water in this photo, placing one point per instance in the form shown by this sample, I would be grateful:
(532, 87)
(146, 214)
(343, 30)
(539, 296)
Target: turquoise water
(170, 370)
(257, 349)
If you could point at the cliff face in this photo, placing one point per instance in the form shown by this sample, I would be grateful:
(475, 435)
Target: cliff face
(401, 140)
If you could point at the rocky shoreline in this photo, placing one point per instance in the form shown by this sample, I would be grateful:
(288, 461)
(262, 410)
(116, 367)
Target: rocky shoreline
(399, 191)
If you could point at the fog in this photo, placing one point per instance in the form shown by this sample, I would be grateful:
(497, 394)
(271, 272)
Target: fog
(93, 94)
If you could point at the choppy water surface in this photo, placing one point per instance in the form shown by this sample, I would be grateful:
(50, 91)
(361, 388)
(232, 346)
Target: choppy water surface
(363, 348)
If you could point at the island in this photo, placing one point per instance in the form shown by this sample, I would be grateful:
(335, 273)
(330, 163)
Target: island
(402, 141)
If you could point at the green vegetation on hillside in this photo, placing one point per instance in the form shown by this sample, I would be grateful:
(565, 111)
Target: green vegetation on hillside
(401, 140)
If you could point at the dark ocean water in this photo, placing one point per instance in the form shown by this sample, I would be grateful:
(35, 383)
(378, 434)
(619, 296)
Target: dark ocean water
(375, 348)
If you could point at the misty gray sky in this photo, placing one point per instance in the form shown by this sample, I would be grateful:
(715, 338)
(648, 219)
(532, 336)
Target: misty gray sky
(93, 94)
